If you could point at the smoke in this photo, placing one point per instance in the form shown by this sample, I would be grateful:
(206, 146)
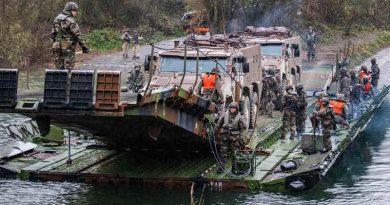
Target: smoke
(281, 13)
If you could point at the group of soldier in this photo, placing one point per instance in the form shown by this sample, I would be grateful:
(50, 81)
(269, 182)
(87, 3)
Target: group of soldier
(352, 89)
(126, 39)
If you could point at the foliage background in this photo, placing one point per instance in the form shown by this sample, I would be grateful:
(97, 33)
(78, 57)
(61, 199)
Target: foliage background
(25, 25)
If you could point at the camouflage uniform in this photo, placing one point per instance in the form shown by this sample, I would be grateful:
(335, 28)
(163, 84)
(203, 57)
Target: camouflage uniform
(135, 44)
(327, 120)
(268, 94)
(375, 71)
(354, 78)
(311, 39)
(345, 83)
(301, 112)
(136, 79)
(66, 34)
(289, 108)
(232, 138)
(125, 44)
(215, 94)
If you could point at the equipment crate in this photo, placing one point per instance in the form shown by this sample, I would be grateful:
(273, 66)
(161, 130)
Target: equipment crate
(56, 89)
(81, 90)
(108, 90)
(8, 87)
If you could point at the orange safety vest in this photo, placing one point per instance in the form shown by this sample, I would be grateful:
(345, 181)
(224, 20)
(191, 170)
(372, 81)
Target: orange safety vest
(337, 106)
(363, 74)
(367, 88)
(321, 105)
(209, 81)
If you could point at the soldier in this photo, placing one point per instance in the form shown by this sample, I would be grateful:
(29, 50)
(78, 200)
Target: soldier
(269, 93)
(340, 109)
(355, 100)
(363, 73)
(375, 71)
(125, 44)
(354, 78)
(210, 87)
(136, 79)
(301, 112)
(311, 39)
(290, 105)
(232, 136)
(66, 34)
(345, 83)
(136, 39)
(326, 116)
(368, 91)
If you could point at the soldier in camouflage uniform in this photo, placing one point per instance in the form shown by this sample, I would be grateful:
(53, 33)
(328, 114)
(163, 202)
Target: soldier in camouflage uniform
(66, 34)
(311, 39)
(290, 105)
(136, 79)
(231, 135)
(327, 117)
(269, 93)
(302, 105)
(354, 78)
(345, 83)
(375, 71)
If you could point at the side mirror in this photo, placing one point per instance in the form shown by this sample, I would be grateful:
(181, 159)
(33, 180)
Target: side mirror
(245, 68)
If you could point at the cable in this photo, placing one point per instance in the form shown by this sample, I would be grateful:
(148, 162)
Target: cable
(214, 150)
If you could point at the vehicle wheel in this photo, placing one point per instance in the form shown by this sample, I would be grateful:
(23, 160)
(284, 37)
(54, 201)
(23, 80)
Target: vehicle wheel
(253, 109)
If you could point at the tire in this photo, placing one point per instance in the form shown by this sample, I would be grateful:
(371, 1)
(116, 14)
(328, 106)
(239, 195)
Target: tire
(253, 110)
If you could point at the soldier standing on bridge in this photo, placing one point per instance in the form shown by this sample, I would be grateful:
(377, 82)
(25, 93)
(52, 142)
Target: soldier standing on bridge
(66, 34)
(375, 71)
(290, 105)
(345, 83)
(311, 40)
(354, 78)
(301, 111)
(210, 87)
(327, 117)
(232, 136)
(136, 79)
(269, 93)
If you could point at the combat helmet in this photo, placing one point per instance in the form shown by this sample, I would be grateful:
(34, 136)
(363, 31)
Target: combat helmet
(365, 79)
(71, 6)
(373, 61)
(352, 72)
(343, 70)
(299, 86)
(215, 70)
(325, 101)
(340, 97)
(234, 105)
(364, 68)
(137, 68)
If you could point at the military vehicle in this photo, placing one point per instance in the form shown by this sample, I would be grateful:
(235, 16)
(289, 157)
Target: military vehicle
(280, 51)
(239, 66)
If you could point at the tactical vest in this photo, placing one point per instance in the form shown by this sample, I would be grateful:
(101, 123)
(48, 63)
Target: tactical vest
(367, 88)
(337, 107)
(209, 81)
(291, 102)
(62, 33)
(232, 124)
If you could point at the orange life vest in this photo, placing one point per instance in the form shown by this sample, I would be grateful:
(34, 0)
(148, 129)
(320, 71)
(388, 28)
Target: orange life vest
(209, 81)
(337, 106)
(367, 88)
(319, 101)
(363, 74)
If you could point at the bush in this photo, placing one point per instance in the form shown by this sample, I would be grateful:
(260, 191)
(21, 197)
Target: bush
(104, 39)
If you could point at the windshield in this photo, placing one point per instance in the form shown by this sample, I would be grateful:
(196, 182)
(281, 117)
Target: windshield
(175, 64)
(274, 49)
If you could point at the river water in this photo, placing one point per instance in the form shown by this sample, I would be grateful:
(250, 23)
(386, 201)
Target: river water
(362, 176)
